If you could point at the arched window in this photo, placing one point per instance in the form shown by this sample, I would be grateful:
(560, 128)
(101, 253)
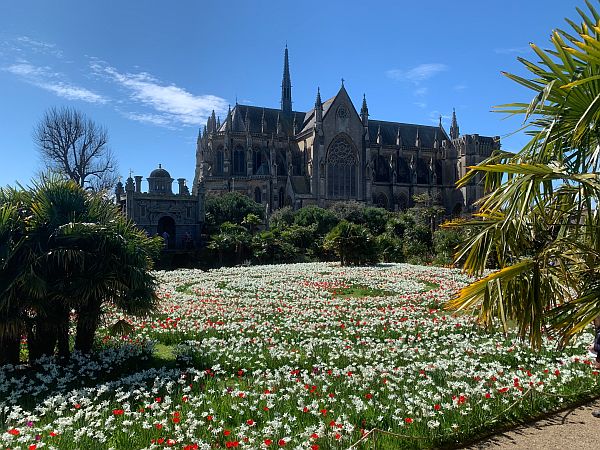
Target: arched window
(281, 197)
(382, 169)
(260, 163)
(422, 172)
(402, 171)
(438, 172)
(341, 169)
(239, 161)
(219, 159)
(402, 202)
(257, 195)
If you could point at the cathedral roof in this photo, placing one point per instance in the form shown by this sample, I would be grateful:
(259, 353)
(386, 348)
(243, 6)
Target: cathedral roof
(408, 133)
(241, 114)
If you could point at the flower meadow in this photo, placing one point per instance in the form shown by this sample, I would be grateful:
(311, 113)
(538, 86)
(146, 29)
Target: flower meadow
(307, 356)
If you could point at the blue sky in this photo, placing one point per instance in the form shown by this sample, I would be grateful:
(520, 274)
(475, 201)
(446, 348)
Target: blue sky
(150, 71)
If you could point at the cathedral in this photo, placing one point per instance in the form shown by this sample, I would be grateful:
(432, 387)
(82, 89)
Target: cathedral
(281, 157)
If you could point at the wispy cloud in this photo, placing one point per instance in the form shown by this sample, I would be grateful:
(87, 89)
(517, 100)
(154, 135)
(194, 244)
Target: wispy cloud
(511, 50)
(421, 105)
(44, 78)
(418, 73)
(435, 115)
(459, 87)
(39, 46)
(171, 104)
(419, 92)
(153, 119)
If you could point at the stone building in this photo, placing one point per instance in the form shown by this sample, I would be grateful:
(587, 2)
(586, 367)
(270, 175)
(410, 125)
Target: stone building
(333, 153)
(159, 210)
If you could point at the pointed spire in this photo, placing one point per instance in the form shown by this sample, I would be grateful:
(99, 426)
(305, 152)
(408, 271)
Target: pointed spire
(454, 131)
(228, 119)
(440, 124)
(212, 122)
(278, 125)
(364, 112)
(199, 135)
(318, 108)
(286, 86)
(263, 122)
(247, 121)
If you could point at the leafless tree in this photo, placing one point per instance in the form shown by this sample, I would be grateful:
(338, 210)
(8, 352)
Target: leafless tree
(72, 144)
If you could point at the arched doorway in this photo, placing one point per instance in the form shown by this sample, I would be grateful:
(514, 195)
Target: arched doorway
(381, 200)
(166, 224)
(257, 195)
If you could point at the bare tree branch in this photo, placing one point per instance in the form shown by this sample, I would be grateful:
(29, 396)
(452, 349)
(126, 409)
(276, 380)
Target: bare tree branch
(72, 144)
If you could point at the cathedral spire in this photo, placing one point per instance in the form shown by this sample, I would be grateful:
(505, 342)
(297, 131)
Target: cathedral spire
(364, 111)
(454, 131)
(286, 86)
(318, 107)
(228, 123)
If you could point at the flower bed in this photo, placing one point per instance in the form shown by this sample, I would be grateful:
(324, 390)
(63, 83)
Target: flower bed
(278, 356)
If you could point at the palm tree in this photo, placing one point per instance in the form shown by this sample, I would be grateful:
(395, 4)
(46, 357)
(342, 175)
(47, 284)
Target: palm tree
(540, 219)
(65, 250)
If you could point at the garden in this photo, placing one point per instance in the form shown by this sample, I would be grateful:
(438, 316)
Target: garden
(311, 356)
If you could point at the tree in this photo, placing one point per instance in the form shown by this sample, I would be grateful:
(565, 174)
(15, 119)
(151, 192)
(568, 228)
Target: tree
(64, 249)
(353, 244)
(540, 218)
(73, 145)
(230, 207)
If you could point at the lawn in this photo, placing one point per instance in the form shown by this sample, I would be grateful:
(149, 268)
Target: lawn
(307, 356)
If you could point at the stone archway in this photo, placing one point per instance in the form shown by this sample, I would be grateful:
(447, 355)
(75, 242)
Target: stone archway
(166, 224)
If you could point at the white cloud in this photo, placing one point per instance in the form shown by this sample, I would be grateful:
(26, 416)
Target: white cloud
(153, 119)
(459, 87)
(511, 50)
(434, 117)
(39, 46)
(172, 103)
(421, 105)
(419, 92)
(45, 78)
(418, 73)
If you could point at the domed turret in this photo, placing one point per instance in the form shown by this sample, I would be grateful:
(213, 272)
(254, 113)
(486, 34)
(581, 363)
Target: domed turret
(160, 181)
(160, 173)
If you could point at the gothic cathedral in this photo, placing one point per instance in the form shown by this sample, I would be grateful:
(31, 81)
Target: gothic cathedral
(332, 153)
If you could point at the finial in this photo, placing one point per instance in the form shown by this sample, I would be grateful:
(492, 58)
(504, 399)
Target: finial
(342, 82)
(130, 172)
(440, 121)
(159, 166)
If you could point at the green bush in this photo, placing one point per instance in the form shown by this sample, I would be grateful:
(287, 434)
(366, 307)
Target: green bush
(282, 217)
(230, 207)
(324, 219)
(391, 247)
(271, 247)
(353, 244)
(445, 243)
(231, 244)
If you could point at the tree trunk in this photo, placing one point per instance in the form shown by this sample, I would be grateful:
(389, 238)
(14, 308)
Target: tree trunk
(63, 335)
(10, 349)
(88, 320)
(41, 338)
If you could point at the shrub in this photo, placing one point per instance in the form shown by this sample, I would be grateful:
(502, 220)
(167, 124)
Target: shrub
(353, 244)
(231, 207)
(324, 219)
